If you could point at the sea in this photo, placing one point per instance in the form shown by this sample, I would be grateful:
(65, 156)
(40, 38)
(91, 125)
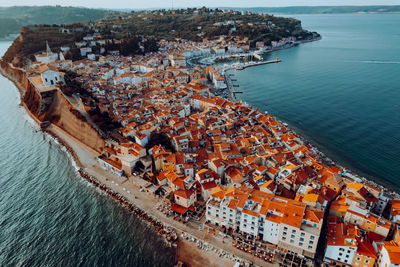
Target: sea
(49, 216)
(341, 93)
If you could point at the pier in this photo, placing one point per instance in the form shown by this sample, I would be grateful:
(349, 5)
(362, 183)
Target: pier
(243, 66)
(229, 85)
(253, 64)
(229, 80)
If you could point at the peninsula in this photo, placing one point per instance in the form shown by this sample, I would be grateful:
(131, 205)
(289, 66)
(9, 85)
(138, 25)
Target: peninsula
(142, 114)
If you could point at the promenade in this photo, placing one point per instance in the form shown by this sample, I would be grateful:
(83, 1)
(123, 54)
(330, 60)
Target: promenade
(128, 188)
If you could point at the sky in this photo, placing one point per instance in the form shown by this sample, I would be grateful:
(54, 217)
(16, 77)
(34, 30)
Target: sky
(133, 4)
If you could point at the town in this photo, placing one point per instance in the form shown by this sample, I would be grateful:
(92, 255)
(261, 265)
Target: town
(217, 162)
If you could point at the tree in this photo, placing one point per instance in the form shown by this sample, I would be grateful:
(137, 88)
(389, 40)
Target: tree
(130, 47)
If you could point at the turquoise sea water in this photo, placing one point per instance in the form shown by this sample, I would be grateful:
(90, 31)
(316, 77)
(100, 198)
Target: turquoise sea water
(49, 216)
(342, 92)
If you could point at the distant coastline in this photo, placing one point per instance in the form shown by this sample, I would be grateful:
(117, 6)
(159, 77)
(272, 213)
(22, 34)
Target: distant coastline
(297, 10)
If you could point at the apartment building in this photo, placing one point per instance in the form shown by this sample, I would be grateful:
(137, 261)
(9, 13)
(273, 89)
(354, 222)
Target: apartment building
(290, 224)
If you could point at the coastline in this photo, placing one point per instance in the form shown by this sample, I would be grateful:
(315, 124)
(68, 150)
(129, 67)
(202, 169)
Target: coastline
(101, 184)
(168, 229)
(372, 181)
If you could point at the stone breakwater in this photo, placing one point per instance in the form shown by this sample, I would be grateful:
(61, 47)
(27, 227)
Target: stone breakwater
(168, 233)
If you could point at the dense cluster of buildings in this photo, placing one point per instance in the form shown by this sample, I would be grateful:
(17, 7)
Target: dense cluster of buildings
(254, 175)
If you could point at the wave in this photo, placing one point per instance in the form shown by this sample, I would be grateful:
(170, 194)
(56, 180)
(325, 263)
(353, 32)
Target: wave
(64, 149)
(379, 62)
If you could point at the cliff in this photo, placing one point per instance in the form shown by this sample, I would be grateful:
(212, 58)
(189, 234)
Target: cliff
(53, 107)
(65, 116)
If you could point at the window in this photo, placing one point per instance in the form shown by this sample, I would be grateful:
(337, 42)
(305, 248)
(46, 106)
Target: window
(252, 228)
(311, 242)
(244, 225)
(340, 254)
(309, 247)
(293, 231)
(291, 241)
(283, 238)
(285, 228)
(284, 233)
(312, 237)
(209, 213)
(292, 236)
(302, 234)
(301, 239)
(300, 244)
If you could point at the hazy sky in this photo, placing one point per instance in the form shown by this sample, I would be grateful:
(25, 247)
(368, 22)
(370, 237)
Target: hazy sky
(190, 3)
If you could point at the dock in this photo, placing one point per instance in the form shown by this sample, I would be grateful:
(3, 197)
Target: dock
(253, 64)
(230, 85)
(229, 80)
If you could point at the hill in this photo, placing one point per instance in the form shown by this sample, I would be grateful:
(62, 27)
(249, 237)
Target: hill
(138, 32)
(195, 24)
(13, 18)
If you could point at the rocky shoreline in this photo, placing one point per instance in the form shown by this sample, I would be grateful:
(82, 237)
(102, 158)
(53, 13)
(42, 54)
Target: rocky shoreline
(168, 234)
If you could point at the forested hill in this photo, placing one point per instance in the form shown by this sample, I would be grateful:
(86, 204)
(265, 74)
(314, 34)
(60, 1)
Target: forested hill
(322, 9)
(13, 18)
(128, 32)
(198, 23)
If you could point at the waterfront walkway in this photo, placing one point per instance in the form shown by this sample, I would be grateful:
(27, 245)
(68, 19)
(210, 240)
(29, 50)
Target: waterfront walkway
(127, 188)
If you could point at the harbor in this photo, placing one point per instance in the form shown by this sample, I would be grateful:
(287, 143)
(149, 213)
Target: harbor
(229, 81)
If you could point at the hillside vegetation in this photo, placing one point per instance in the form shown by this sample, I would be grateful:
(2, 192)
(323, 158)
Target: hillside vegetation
(196, 24)
(13, 18)
(138, 32)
